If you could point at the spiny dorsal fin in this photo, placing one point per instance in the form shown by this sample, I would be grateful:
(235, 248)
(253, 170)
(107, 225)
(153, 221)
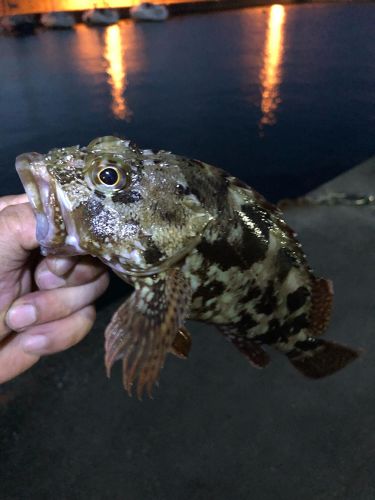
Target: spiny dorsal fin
(143, 329)
(321, 306)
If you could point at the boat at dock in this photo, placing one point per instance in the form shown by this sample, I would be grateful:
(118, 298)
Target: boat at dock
(147, 11)
(57, 20)
(18, 25)
(100, 17)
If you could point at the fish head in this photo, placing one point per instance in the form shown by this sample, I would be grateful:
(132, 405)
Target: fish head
(131, 208)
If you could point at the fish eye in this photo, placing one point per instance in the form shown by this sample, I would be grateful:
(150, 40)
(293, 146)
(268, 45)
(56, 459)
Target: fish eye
(109, 176)
(107, 172)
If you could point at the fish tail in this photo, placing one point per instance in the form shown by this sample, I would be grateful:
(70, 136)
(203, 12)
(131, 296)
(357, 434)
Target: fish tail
(316, 358)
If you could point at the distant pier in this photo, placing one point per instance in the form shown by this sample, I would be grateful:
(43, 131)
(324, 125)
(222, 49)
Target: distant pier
(13, 7)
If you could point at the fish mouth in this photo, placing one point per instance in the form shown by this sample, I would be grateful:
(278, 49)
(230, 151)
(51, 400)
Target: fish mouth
(51, 231)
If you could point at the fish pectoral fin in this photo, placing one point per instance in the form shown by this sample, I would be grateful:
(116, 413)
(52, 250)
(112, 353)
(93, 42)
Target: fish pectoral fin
(181, 344)
(321, 306)
(143, 329)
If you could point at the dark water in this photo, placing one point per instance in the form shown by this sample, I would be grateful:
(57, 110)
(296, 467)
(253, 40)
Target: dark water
(282, 97)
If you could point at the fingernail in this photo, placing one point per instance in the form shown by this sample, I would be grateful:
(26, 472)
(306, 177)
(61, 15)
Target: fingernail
(34, 343)
(48, 280)
(21, 316)
(61, 265)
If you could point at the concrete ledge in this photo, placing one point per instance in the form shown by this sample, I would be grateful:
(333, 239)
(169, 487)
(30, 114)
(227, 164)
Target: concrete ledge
(217, 429)
(360, 179)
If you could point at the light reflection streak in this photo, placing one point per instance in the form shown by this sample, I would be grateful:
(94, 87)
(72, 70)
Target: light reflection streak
(116, 70)
(270, 75)
(87, 49)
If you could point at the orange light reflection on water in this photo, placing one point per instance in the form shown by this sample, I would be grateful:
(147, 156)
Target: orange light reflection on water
(270, 75)
(116, 69)
(105, 53)
(88, 48)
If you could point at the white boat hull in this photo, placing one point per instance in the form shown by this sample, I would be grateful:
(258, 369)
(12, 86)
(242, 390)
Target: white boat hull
(103, 17)
(57, 20)
(149, 12)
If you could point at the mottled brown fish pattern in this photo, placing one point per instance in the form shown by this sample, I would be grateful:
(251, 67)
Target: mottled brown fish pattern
(195, 242)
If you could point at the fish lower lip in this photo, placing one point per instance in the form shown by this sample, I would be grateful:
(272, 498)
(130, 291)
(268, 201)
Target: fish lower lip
(42, 226)
(50, 228)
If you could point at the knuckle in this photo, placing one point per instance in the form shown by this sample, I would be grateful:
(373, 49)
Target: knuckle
(50, 305)
(10, 219)
(87, 271)
(83, 325)
(103, 282)
(88, 314)
(17, 224)
(84, 274)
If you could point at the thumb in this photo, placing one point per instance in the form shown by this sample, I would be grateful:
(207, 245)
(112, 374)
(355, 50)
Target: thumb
(12, 199)
(17, 235)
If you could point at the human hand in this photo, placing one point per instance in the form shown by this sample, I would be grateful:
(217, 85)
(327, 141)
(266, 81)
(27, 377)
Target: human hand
(54, 317)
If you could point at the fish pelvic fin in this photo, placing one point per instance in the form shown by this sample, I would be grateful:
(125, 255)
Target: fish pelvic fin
(321, 305)
(255, 354)
(144, 328)
(182, 343)
(317, 358)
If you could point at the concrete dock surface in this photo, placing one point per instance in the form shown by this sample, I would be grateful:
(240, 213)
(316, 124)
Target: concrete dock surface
(217, 429)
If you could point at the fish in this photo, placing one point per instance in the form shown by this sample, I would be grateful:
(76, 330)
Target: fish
(195, 243)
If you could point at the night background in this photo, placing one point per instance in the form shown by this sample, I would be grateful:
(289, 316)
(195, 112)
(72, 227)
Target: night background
(281, 96)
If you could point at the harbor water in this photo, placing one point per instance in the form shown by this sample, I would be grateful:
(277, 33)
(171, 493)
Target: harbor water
(280, 96)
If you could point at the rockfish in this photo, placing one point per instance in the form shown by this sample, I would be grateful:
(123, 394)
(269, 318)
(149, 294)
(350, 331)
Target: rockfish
(195, 243)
